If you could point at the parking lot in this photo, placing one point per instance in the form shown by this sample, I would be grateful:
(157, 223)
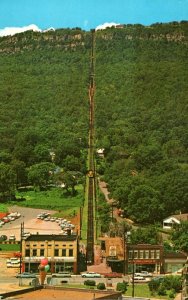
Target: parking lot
(31, 223)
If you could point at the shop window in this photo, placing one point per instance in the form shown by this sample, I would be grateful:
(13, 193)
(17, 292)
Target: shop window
(56, 252)
(27, 252)
(41, 252)
(70, 252)
(34, 252)
(63, 252)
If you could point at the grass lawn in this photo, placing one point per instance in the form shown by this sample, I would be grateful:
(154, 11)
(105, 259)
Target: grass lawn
(9, 247)
(3, 208)
(142, 290)
(53, 199)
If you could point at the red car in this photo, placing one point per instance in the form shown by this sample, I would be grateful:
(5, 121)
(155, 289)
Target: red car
(113, 275)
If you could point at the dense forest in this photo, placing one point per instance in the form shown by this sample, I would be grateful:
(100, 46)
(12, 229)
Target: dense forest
(141, 112)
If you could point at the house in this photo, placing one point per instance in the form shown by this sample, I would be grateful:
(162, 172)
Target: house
(173, 220)
(174, 262)
(100, 152)
(60, 250)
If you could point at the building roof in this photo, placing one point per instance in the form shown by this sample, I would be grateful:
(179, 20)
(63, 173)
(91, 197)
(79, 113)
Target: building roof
(175, 255)
(181, 217)
(51, 237)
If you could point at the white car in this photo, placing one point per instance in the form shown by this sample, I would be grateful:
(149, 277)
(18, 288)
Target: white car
(91, 275)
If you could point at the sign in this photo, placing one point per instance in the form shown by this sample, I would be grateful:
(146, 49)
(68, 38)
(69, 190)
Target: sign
(143, 261)
(112, 251)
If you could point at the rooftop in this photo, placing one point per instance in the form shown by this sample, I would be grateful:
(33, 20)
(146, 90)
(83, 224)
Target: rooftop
(51, 237)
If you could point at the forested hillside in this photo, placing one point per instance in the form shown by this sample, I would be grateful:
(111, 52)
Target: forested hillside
(140, 119)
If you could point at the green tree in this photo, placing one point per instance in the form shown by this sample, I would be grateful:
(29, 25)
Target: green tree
(180, 237)
(143, 203)
(7, 181)
(40, 174)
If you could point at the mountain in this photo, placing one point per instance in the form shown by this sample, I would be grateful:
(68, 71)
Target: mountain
(140, 108)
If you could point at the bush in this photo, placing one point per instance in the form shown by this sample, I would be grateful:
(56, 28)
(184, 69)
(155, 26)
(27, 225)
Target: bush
(171, 294)
(162, 290)
(101, 286)
(173, 282)
(90, 282)
(122, 286)
(153, 285)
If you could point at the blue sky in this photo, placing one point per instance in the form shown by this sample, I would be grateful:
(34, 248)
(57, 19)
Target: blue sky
(88, 14)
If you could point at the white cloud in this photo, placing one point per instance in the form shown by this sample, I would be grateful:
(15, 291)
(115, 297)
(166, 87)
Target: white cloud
(105, 25)
(13, 30)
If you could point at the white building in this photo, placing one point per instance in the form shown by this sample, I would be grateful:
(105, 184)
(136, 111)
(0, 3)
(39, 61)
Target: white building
(173, 220)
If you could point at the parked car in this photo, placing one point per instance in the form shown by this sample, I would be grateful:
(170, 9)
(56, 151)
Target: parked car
(12, 238)
(26, 275)
(91, 275)
(113, 275)
(61, 274)
(144, 274)
(138, 278)
(13, 260)
(3, 237)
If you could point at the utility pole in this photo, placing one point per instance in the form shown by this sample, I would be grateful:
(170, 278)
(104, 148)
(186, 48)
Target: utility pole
(133, 275)
(21, 234)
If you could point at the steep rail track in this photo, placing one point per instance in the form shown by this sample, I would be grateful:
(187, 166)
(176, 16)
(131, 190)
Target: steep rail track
(91, 172)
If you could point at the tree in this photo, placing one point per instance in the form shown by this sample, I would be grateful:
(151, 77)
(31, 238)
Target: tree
(147, 235)
(143, 203)
(180, 237)
(40, 174)
(7, 181)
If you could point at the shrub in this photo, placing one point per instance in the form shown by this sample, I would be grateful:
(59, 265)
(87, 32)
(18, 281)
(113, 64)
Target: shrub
(173, 282)
(122, 286)
(101, 286)
(162, 290)
(90, 282)
(171, 294)
(153, 285)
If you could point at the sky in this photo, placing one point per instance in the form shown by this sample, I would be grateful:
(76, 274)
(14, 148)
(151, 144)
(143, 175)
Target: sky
(88, 14)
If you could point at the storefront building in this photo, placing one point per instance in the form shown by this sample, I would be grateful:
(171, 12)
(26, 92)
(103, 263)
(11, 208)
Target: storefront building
(61, 252)
(144, 257)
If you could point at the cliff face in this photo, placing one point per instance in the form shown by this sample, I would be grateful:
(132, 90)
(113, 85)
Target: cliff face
(71, 39)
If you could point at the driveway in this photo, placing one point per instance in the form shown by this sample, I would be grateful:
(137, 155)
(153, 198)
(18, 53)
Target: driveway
(31, 223)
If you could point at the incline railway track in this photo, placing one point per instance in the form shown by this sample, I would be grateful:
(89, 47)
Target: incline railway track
(91, 172)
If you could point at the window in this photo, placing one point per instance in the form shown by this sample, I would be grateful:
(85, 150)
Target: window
(146, 254)
(152, 253)
(157, 254)
(41, 252)
(63, 252)
(70, 252)
(141, 254)
(135, 254)
(27, 252)
(130, 254)
(34, 252)
(56, 252)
